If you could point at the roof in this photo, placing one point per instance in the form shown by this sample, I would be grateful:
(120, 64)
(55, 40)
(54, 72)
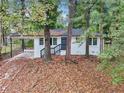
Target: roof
(54, 32)
(75, 32)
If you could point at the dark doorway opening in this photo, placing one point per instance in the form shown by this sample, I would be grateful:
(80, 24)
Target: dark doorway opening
(63, 43)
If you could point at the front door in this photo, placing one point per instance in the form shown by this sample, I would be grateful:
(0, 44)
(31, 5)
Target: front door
(63, 43)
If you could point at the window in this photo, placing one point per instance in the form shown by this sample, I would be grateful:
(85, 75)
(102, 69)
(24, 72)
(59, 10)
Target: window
(94, 41)
(54, 41)
(50, 41)
(41, 41)
(77, 38)
(90, 41)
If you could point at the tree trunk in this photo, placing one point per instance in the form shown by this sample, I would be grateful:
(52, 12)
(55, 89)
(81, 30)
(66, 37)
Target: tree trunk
(70, 26)
(47, 54)
(68, 48)
(87, 46)
(23, 13)
(1, 43)
(1, 31)
(87, 18)
(101, 25)
(22, 22)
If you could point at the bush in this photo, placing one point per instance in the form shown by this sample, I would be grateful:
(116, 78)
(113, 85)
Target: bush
(30, 44)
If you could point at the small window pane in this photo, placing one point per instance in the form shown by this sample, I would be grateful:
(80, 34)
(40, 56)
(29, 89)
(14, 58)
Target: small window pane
(41, 41)
(77, 38)
(54, 41)
(90, 41)
(94, 41)
(50, 41)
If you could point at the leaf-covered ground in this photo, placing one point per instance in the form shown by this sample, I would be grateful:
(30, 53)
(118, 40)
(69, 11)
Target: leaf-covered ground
(35, 76)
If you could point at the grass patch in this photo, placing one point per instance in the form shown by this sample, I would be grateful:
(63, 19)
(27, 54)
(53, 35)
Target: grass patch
(7, 49)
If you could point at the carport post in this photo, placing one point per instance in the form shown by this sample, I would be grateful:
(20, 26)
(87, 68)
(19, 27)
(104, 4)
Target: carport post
(11, 47)
(23, 45)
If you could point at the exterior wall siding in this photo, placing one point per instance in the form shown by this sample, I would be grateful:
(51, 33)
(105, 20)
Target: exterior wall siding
(95, 49)
(76, 48)
(38, 47)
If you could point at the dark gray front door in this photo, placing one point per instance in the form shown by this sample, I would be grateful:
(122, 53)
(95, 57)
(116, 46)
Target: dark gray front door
(64, 43)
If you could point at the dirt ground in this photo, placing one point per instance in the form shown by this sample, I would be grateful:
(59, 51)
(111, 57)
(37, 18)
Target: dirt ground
(35, 76)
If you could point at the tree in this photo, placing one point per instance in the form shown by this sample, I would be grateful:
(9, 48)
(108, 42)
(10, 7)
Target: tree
(101, 24)
(87, 18)
(45, 13)
(3, 21)
(1, 32)
(112, 56)
(71, 7)
(83, 19)
(23, 9)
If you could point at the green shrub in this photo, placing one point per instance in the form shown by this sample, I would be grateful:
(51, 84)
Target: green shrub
(30, 44)
(117, 74)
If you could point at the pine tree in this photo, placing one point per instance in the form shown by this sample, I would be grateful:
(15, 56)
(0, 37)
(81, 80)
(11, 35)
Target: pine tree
(83, 19)
(112, 56)
(46, 17)
(71, 7)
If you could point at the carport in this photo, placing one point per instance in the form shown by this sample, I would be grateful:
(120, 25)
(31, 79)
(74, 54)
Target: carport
(23, 38)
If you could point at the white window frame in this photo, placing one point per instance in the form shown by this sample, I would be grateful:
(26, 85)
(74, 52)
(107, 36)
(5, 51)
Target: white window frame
(52, 38)
(54, 41)
(40, 41)
(92, 42)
